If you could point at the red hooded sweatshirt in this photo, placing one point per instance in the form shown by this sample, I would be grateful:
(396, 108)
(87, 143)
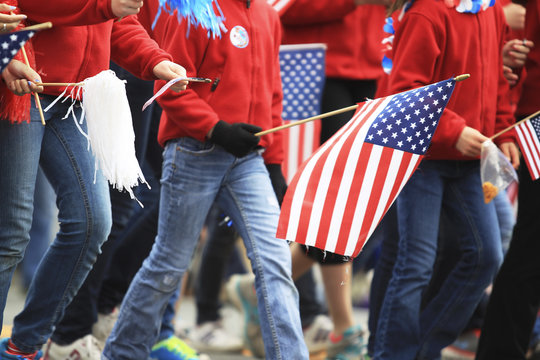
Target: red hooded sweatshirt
(244, 64)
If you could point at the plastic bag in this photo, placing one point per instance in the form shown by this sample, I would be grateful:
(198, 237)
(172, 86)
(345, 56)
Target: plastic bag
(496, 172)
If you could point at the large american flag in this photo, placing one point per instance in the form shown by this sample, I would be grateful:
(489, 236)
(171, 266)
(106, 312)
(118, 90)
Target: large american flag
(302, 75)
(527, 132)
(11, 43)
(340, 194)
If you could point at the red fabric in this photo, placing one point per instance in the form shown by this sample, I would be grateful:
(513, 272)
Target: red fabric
(83, 40)
(249, 88)
(433, 43)
(529, 102)
(12, 107)
(352, 33)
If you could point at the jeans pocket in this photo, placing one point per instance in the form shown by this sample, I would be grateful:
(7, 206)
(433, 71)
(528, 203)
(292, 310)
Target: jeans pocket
(194, 147)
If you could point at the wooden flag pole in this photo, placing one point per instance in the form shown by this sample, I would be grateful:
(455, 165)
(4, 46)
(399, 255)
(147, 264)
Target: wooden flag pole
(325, 115)
(189, 79)
(514, 125)
(46, 25)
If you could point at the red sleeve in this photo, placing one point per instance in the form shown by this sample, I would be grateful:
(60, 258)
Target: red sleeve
(306, 12)
(67, 12)
(187, 109)
(134, 50)
(274, 154)
(414, 64)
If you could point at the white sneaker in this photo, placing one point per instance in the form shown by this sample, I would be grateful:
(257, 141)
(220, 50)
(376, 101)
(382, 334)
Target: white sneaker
(317, 334)
(104, 325)
(212, 337)
(86, 348)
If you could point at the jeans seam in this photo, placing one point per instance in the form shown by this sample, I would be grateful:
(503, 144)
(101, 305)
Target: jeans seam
(260, 272)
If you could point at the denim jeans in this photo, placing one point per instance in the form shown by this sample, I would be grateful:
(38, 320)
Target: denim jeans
(84, 215)
(405, 330)
(195, 175)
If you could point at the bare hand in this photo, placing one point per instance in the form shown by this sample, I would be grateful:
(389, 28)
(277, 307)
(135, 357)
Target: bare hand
(167, 70)
(9, 22)
(515, 16)
(515, 52)
(511, 151)
(20, 78)
(510, 76)
(121, 8)
(470, 142)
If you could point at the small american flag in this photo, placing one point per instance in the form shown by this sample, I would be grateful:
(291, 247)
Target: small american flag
(302, 75)
(342, 191)
(527, 132)
(10, 44)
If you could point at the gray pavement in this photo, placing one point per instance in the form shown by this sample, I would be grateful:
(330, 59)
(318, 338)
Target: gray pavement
(185, 319)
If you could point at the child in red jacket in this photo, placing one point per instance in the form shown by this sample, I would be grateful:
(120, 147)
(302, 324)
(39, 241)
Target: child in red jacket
(85, 35)
(436, 40)
(213, 155)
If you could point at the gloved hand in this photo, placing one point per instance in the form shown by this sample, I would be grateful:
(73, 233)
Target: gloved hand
(238, 138)
(278, 181)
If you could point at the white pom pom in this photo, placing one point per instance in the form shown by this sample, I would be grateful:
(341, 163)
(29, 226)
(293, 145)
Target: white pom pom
(110, 130)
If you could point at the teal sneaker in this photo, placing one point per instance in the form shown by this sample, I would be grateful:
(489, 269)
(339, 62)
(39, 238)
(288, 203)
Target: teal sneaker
(5, 356)
(173, 348)
(349, 346)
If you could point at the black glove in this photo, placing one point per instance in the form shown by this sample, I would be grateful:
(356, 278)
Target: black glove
(278, 181)
(238, 138)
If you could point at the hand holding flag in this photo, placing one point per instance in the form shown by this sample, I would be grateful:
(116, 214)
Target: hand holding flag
(342, 191)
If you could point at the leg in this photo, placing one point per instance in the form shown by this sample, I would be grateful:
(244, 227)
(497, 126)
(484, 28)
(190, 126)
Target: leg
(418, 205)
(85, 222)
(249, 199)
(515, 298)
(20, 146)
(480, 253)
(192, 173)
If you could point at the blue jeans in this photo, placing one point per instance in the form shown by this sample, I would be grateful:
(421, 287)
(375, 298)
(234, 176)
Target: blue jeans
(84, 216)
(405, 330)
(195, 175)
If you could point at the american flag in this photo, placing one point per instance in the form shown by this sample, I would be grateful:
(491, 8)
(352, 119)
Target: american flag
(302, 75)
(527, 132)
(340, 194)
(10, 44)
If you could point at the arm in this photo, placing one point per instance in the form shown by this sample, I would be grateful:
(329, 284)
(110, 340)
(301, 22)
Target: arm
(305, 12)
(78, 12)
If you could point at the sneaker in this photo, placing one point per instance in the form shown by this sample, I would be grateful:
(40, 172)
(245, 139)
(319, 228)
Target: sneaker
(212, 337)
(173, 348)
(464, 348)
(240, 291)
(5, 356)
(317, 334)
(85, 348)
(104, 325)
(348, 346)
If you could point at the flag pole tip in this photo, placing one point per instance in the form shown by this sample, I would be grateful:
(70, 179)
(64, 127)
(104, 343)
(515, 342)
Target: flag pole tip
(462, 77)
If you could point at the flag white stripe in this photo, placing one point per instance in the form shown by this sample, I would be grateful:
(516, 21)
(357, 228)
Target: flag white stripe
(301, 186)
(292, 155)
(309, 134)
(528, 145)
(387, 190)
(363, 198)
(347, 180)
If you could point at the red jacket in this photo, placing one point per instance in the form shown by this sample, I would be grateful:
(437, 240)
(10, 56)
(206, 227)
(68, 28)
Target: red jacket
(434, 43)
(352, 33)
(530, 95)
(84, 38)
(245, 66)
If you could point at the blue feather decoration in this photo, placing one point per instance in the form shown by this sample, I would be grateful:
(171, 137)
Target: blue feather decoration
(197, 13)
